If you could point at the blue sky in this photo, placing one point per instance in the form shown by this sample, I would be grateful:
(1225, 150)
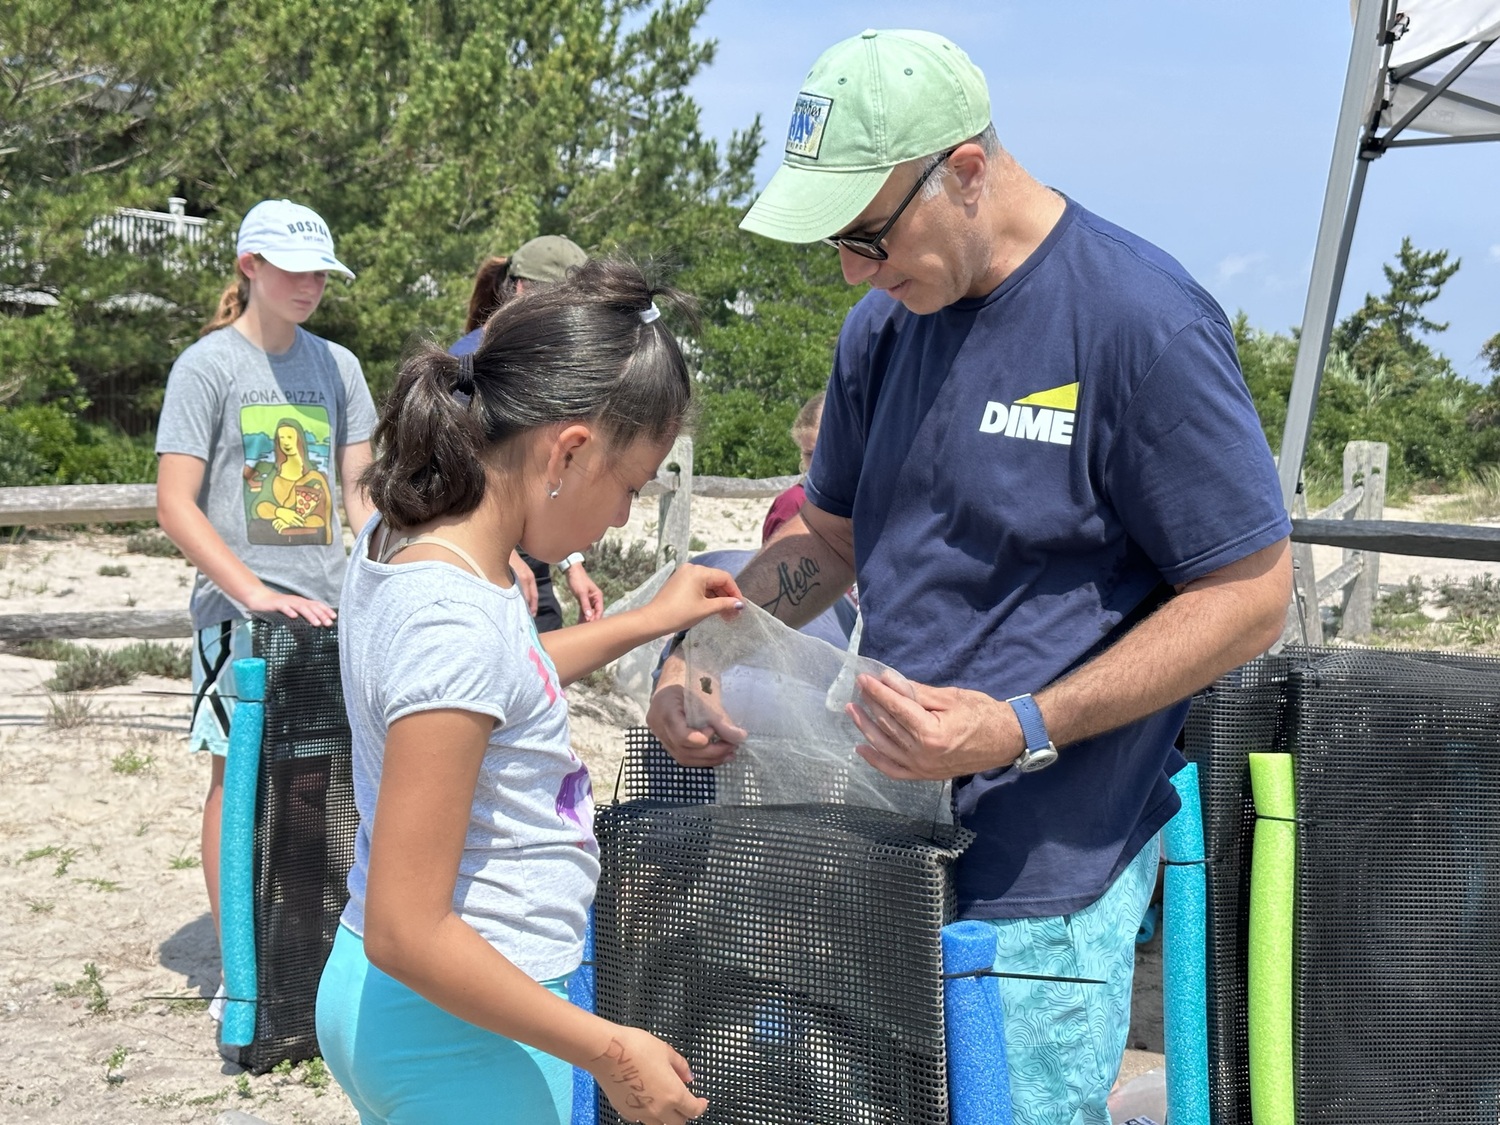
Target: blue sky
(1205, 126)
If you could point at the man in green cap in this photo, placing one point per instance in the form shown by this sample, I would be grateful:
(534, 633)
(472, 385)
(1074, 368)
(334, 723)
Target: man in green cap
(1040, 462)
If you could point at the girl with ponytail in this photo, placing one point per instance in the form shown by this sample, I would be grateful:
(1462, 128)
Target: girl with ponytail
(475, 861)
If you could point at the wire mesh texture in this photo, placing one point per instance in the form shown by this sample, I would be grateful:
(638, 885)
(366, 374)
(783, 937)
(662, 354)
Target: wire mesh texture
(1397, 963)
(1383, 705)
(1244, 712)
(792, 953)
(304, 835)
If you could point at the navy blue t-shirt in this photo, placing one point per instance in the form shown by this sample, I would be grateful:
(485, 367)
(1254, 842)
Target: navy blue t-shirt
(1028, 473)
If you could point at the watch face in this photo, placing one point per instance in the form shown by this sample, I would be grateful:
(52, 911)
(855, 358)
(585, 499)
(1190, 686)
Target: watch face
(1032, 760)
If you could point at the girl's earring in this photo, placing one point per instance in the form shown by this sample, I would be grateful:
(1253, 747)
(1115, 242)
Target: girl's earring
(552, 492)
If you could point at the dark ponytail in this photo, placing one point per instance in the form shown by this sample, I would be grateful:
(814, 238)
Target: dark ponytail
(580, 350)
(431, 445)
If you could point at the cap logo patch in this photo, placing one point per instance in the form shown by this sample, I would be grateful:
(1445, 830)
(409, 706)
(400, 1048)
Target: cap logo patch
(809, 116)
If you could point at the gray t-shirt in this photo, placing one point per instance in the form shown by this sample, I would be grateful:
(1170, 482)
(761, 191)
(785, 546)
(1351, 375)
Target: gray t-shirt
(424, 636)
(269, 428)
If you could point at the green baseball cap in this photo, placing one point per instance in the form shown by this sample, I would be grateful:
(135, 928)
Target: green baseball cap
(548, 258)
(868, 104)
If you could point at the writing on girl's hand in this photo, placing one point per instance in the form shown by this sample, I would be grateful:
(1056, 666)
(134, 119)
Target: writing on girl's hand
(624, 1071)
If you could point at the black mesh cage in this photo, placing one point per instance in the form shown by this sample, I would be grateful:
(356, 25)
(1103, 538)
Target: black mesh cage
(1397, 964)
(1244, 712)
(1398, 881)
(791, 953)
(305, 824)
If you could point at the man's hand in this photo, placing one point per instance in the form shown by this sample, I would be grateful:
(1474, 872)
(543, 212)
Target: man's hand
(710, 745)
(943, 733)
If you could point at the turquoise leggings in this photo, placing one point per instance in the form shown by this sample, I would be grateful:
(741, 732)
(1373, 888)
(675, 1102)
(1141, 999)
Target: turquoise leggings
(404, 1061)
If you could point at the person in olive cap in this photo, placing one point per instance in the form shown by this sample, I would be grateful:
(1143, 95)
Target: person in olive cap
(1039, 461)
(542, 261)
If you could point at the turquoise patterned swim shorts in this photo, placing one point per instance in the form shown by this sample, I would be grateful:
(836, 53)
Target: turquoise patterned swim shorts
(1064, 1042)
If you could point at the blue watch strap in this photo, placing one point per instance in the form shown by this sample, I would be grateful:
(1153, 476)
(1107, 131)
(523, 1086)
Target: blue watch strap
(1032, 726)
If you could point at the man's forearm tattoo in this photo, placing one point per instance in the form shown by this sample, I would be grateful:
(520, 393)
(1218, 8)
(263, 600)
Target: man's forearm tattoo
(796, 583)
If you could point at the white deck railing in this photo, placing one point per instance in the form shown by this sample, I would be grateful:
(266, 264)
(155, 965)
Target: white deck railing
(140, 231)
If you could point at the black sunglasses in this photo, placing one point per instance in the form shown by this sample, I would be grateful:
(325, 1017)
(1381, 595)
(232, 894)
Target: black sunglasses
(871, 247)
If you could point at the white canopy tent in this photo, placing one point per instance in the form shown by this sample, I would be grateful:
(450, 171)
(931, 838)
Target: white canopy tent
(1427, 66)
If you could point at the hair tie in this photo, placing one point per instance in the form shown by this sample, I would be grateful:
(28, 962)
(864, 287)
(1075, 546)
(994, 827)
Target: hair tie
(648, 315)
(463, 389)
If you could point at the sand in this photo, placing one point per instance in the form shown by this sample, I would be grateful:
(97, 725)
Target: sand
(103, 920)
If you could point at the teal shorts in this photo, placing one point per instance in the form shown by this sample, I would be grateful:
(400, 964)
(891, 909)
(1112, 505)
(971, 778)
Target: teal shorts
(1064, 1042)
(215, 649)
(404, 1061)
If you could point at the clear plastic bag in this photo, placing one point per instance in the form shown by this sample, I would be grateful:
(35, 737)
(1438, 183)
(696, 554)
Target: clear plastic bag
(789, 692)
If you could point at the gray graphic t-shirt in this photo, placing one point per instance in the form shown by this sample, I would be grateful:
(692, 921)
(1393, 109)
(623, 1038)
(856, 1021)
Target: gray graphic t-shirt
(269, 428)
(425, 636)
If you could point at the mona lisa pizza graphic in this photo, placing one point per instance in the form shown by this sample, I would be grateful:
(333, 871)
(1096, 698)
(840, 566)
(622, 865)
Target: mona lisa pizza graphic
(288, 497)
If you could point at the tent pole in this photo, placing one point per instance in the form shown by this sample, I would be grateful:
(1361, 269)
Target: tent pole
(1335, 231)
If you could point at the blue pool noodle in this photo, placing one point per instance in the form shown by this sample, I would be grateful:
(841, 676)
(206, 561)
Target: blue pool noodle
(1185, 970)
(237, 854)
(581, 992)
(978, 1078)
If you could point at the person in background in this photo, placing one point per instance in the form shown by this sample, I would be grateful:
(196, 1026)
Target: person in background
(445, 996)
(805, 434)
(258, 417)
(545, 260)
(1039, 456)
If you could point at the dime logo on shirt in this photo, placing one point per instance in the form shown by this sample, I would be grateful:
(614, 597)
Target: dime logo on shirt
(1043, 416)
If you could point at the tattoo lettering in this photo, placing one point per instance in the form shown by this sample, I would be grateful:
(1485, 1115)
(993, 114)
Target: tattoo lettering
(622, 1070)
(795, 585)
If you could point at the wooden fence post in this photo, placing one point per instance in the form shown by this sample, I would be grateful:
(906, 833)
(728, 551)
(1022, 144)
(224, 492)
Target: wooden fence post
(1365, 465)
(674, 520)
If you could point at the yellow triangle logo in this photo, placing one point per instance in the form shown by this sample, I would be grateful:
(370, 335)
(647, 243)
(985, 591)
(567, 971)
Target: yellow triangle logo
(1058, 398)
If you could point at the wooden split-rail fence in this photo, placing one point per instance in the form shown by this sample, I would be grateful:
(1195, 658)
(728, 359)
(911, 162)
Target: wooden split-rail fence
(1352, 522)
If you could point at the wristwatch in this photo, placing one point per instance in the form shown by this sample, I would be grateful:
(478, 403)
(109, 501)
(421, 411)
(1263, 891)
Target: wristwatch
(565, 564)
(1039, 752)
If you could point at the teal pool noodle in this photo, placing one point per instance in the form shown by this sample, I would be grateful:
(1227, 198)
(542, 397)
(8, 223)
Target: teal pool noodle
(237, 854)
(1185, 968)
(581, 992)
(1272, 896)
(974, 1023)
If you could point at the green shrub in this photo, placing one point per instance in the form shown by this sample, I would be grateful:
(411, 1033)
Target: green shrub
(87, 667)
(619, 568)
(46, 443)
(46, 649)
(152, 543)
(151, 658)
(1477, 598)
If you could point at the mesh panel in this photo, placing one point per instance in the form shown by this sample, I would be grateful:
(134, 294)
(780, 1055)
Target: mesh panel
(1263, 706)
(791, 953)
(1398, 889)
(304, 834)
(1244, 712)
(649, 774)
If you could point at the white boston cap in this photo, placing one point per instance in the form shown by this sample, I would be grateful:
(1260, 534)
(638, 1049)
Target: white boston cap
(289, 236)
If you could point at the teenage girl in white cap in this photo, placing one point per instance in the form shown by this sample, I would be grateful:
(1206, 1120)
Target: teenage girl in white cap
(259, 417)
